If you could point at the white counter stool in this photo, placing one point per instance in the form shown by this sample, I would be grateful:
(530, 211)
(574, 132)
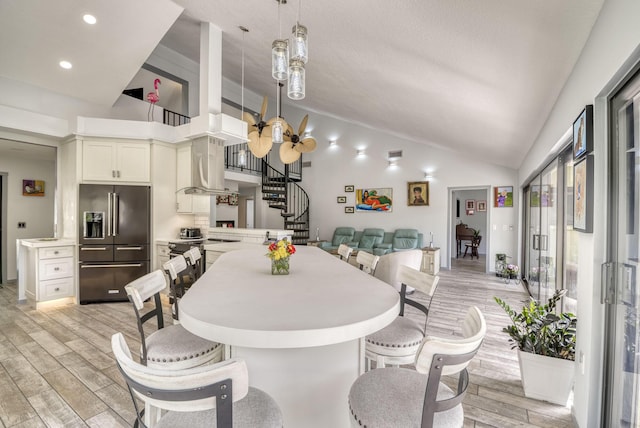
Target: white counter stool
(176, 268)
(398, 342)
(344, 252)
(194, 259)
(367, 262)
(399, 397)
(172, 346)
(206, 396)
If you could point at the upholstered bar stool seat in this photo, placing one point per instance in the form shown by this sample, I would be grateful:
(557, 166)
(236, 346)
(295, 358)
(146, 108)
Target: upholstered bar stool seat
(174, 345)
(255, 410)
(401, 389)
(400, 338)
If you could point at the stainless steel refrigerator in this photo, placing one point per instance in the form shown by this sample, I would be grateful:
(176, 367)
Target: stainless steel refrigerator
(114, 239)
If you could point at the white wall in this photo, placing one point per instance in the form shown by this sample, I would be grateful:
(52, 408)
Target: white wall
(36, 211)
(606, 57)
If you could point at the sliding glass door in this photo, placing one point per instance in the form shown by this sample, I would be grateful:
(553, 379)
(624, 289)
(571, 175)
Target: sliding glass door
(622, 343)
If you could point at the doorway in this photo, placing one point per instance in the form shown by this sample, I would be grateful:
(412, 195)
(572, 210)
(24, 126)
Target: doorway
(3, 227)
(469, 206)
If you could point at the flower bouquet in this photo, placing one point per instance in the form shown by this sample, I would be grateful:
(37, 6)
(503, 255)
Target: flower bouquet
(279, 253)
(511, 271)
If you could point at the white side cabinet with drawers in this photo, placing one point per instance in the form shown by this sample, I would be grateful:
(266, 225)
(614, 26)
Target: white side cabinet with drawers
(46, 270)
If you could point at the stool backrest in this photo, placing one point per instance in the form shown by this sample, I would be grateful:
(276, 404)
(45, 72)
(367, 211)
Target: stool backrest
(140, 290)
(367, 262)
(175, 266)
(188, 390)
(344, 251)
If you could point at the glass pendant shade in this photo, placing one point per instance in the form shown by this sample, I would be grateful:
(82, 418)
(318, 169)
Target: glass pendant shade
(277, 132)
(279, 59)
(296, 86)
(299, 44)
(242, 157)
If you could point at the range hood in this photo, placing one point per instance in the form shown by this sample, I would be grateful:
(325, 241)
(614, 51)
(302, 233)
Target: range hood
(207, 166)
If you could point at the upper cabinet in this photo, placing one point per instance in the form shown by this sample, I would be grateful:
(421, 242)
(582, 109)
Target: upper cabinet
(116, 161)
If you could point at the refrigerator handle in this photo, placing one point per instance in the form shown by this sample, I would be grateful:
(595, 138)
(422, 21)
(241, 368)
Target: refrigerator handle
(116, 211)
(109, 214)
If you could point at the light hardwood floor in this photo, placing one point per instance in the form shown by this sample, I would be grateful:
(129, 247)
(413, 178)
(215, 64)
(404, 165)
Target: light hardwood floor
(57, 368)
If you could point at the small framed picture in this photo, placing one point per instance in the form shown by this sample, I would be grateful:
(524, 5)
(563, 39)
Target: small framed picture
(583, 133)
(470, 204)
(470, 212)
(482, 206)
(342, 199)
(348, 189)
(349, 210)
(583, 195)
(503, 196)
(418, 193)
(32, 188)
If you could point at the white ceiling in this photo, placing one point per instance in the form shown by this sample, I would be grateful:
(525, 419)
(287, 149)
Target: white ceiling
(477, 77)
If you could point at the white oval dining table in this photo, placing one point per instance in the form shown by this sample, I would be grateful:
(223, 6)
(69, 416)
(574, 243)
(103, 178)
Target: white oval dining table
(302, 334)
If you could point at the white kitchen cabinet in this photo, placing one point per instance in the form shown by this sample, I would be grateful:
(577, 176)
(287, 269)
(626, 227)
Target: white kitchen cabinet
(48, 272)
(430, 260)
(162, 254)
(116, 161)
(188, 203)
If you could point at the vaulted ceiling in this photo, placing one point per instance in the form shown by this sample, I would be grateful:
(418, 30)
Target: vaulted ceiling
(476, 77)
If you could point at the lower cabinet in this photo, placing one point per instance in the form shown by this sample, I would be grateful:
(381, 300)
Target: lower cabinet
(430, 260)
(51, 273)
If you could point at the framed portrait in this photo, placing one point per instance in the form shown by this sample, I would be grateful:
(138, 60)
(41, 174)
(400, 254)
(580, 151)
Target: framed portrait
(342, 199)
(418, 193)
(469, 204)
(32, 188)
(470, 212)
(503, 196)
(349, 210)
(376, 199)
(583, 133)
(481, 206)
(348, 189)
(583, 195)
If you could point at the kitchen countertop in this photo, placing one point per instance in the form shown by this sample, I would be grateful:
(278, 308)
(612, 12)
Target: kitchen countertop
(223, 247)
(47, 242)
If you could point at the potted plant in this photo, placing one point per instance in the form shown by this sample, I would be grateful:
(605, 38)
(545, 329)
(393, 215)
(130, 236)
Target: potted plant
(546, 348)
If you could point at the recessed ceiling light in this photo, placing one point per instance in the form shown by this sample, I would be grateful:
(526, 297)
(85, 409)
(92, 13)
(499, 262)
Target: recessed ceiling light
(89, 19)
(66, 65)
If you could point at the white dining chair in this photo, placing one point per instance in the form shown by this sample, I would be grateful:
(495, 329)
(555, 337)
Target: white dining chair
(344, 252)
(398, 342)
(402, 397)
(172, 346)
(367, 262)
(206, 396)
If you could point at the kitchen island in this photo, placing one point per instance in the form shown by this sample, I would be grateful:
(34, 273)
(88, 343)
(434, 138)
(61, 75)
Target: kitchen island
(302, 334)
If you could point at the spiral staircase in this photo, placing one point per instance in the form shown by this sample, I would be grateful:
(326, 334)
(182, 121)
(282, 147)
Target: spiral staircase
(282, 192)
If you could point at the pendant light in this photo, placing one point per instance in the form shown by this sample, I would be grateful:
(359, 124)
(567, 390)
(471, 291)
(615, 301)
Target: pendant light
(299, 41)
(296, 86)
(279, 53)
(277, 128)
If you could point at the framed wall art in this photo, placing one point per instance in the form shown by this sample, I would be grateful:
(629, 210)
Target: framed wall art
(348, 189)
(503, 196)
(379, 199)
(583, 195)
(470, 204)
(583, 133)
(32, 188)
(342, 199)
(349, 210)
(481, 206)
(418, 193)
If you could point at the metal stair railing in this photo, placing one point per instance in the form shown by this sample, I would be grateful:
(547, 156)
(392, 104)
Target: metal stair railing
(286, 195)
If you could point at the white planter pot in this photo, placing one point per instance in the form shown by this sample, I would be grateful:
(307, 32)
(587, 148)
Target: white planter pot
(546, 378)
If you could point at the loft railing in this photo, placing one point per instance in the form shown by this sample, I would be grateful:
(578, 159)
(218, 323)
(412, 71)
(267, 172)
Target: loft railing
(174, 119)
(252, 164)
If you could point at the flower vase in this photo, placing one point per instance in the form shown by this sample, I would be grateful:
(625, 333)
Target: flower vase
(280, 266)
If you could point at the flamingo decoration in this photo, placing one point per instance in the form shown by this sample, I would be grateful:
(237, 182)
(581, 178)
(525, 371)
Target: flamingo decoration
(153, 98)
